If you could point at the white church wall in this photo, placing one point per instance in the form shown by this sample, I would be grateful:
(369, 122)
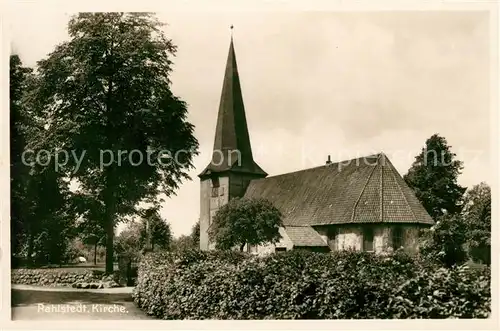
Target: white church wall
(268, 248)
(343, 237)
(349, 238)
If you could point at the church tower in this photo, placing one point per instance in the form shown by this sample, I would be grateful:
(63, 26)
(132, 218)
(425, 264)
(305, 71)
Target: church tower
(232, 166)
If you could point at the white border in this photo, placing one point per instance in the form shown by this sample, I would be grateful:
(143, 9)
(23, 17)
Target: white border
(237, 6)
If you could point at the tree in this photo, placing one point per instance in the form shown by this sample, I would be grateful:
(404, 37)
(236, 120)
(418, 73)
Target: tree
(433, 176)
(106, 96)
(128, 241)
(161, 236)
(195, 233)
(89, 212)
(477, 215)
(445, 241)
(475, 197)
(245, 221)
(39, 195)
(183, 243)
(188, 242)
(92, 233)
(19, 173)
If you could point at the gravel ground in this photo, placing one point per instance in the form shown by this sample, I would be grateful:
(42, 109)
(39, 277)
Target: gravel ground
(29, 304)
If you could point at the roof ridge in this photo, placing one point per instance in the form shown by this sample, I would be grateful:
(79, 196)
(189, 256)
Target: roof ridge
(363, 190)
(324, 165)
(401, 190)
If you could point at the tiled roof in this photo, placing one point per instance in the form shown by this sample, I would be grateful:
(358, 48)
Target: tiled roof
(364, 190)
(304, 236)
(232, 141)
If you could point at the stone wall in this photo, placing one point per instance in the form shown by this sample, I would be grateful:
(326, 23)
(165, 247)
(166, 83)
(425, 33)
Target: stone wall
(54, 277)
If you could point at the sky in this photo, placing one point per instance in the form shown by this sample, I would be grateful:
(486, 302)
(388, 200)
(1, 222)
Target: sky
(314, 84)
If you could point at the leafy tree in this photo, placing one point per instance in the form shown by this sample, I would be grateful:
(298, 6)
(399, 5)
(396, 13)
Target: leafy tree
(39, 195)
(105, 94)
(90, 213)
(477, 213)
(184, 243)
(91, 232)
(188, 242)
(445, 241)
(161, 236)
(128, 241)
(475, 197)
(18, 172)
(433, 177)
(245, 221)
(195, 233)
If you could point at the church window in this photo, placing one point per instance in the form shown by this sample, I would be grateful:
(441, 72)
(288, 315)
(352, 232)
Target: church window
(215, 187)
(368, 240)
(397, 238)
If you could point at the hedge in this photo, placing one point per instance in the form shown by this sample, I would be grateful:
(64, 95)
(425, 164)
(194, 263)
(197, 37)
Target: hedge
(307, 285)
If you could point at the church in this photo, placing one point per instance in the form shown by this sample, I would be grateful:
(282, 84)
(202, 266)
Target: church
(361, 204)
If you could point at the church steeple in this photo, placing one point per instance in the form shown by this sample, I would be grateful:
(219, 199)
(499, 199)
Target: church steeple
(232, 149)
(232, 167)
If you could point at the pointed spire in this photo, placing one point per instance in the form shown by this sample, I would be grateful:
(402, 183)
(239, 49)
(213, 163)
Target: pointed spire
(232, 149)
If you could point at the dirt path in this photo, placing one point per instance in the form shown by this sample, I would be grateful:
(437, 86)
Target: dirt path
(58, 304)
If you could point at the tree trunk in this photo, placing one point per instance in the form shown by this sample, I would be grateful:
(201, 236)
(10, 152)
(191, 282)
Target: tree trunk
(242, 247)
(29, 258)
(109, 245)
(95, 253)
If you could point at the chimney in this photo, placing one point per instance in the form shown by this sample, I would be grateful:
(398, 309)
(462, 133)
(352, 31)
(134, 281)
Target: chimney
(329, 161)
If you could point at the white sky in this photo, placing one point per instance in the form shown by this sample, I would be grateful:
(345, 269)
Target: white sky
(319, 83)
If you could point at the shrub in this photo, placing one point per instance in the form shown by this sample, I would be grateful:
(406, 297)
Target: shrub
(307, 285)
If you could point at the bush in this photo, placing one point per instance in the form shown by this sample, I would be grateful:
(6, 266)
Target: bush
(307, 285)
